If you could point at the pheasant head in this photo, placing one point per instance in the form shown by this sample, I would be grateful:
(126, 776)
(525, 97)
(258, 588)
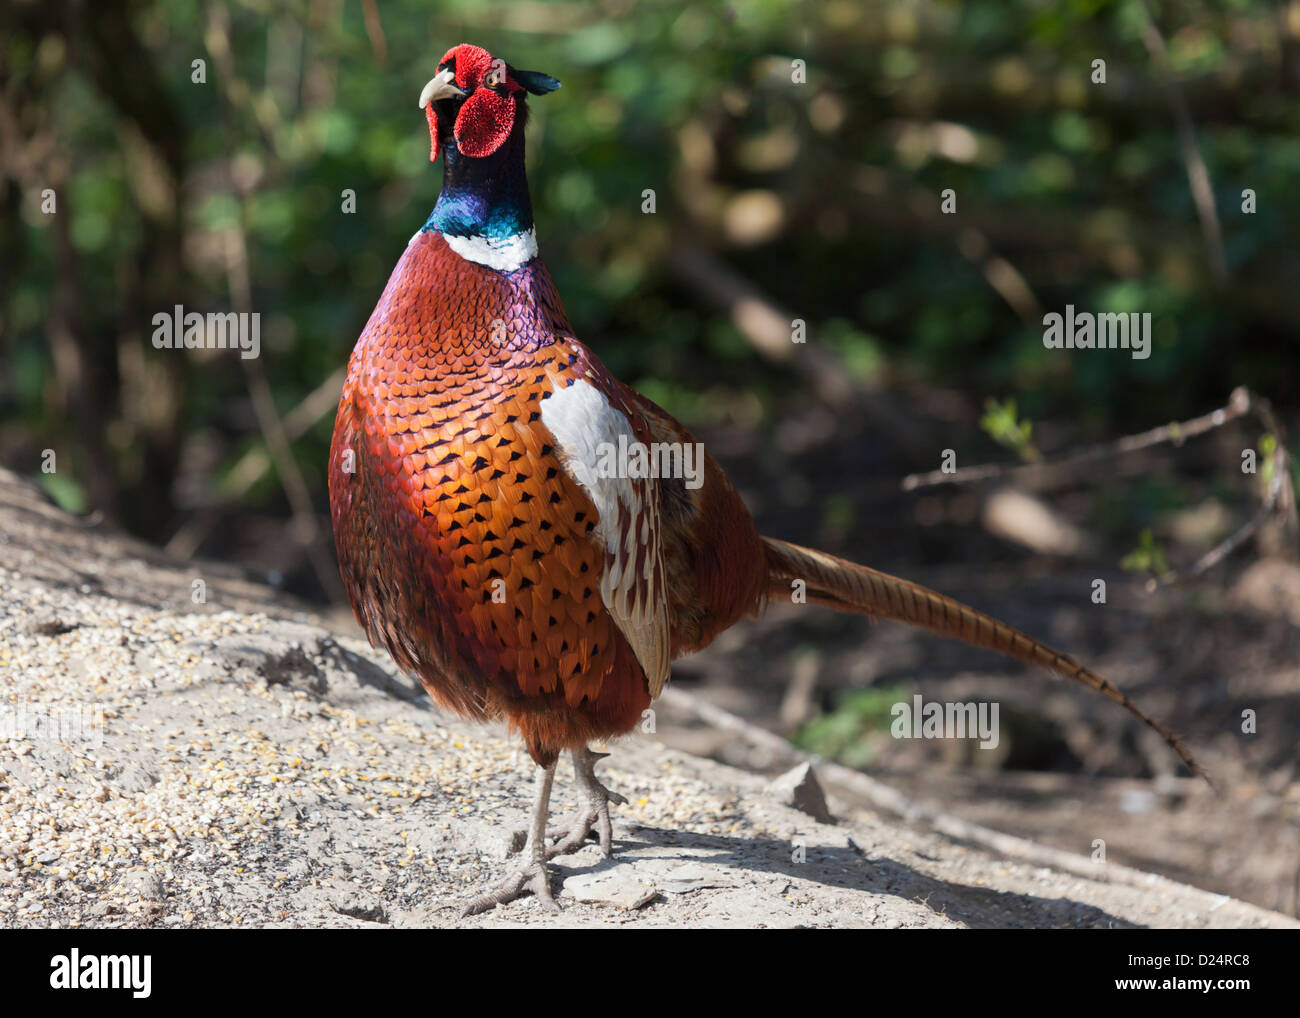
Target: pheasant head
(475, 106)
(475, 99)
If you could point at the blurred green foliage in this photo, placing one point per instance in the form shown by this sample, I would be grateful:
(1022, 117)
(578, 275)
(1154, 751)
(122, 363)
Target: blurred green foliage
(854, 732)
(1004, 427)
(1147, 557)
(824, 195)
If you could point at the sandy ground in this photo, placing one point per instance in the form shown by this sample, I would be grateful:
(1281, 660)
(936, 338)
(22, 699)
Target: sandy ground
(234, 761)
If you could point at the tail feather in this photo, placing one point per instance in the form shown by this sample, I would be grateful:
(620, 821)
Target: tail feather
(850, 587)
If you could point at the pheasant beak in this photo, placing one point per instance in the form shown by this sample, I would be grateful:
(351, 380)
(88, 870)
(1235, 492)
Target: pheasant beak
(441, 86)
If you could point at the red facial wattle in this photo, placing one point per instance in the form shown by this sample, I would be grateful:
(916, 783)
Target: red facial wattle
(484, 123)
(432, 118)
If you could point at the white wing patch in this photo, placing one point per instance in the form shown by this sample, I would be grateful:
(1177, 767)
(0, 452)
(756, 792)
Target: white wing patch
(632, 586)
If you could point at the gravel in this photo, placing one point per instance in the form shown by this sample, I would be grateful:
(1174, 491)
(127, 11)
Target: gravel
(238, 762)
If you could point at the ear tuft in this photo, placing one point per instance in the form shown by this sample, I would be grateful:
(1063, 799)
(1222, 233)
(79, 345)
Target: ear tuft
(535, 81)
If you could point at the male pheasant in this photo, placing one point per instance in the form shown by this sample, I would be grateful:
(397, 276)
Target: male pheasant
(481, 541)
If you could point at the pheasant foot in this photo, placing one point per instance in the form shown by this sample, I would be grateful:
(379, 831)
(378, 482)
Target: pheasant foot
(594, 800)
(532, 873)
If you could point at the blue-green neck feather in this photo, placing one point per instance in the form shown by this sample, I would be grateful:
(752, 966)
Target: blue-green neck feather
(485, 197)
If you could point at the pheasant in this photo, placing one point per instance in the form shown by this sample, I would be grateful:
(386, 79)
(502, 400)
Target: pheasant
(481, 537)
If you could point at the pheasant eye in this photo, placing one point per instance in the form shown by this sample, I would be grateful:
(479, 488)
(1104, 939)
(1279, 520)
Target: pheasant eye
(492, 80)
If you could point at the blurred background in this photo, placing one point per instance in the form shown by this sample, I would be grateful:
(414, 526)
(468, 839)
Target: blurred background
(783, 191)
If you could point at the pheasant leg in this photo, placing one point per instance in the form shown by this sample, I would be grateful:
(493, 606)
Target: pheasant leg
(593, 808)
(532, 873)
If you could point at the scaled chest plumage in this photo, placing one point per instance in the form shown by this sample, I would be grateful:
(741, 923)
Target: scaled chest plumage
(466, 545)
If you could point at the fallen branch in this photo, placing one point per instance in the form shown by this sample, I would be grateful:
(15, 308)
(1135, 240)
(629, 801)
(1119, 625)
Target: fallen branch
(1198, 175)
(253, 465)
(767, 327)
(1240, 403)
(1279, 499)
(304, 528)
(883, 797)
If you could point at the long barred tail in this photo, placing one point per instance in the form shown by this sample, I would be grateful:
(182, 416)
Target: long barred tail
(847, 586)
